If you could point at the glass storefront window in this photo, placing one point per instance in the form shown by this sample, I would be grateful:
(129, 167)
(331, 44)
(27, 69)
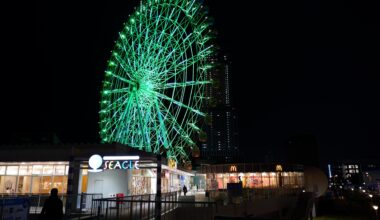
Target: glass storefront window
(273, 180)
(265, 179)
(2, 170)
(9, 184)
(25, 170)
(36, 184)
(142, 185)
(58, 183)
(59, 170)
(45, 184)
(285, 179)
(37, 169)
(24, 184)
(234, 178)
(47, 170)
(12, 170)
(29, 177)
(250, 181)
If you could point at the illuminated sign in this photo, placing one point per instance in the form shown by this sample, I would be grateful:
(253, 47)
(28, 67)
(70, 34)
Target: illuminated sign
(278, 168)
(112, 163)
(329, 167)
(233, 168)
(172, 164)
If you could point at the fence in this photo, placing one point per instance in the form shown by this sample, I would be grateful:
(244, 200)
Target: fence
(143, 207)
(36, 202)
(254, 194)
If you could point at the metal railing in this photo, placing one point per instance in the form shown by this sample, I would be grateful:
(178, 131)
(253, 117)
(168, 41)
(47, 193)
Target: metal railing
(255, 194)
(83, 201)
(143, 207)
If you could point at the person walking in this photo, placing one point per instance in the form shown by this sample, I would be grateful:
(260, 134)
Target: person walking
(184, 190)
(53, 207)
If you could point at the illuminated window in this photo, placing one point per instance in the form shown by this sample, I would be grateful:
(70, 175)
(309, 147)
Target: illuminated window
(37, 169)
(12, 170)
(45, 184)
(59, 170)
(25, 170)
(47, 170)
(2, 170)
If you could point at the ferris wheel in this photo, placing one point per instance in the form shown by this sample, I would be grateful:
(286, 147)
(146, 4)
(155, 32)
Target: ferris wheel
(154, 91)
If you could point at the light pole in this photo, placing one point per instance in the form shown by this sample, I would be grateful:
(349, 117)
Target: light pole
(375, 207)
(158, 201)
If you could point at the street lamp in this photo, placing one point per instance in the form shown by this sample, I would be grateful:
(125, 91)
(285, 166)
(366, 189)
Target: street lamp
(375, 207)
(370, 196)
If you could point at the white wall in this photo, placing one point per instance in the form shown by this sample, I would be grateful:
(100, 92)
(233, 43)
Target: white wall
(109, 182)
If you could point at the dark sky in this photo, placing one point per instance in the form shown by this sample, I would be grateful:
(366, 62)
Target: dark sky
(301, 67)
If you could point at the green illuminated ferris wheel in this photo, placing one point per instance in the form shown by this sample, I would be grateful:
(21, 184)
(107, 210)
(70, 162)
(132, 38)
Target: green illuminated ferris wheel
(154, 91)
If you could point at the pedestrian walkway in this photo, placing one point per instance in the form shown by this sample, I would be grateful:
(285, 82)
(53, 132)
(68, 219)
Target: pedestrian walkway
(194, 196)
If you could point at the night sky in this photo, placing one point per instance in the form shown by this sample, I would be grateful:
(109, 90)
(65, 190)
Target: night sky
(297, 68)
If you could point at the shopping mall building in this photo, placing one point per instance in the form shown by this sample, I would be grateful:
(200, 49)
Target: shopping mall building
(253, 175)
(115, 169)
(111, 169)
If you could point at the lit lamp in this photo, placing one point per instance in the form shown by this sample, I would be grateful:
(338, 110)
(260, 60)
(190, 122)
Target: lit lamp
(370, 196)
(375, 207)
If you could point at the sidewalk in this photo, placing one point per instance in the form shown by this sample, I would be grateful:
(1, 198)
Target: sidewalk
(199, 196)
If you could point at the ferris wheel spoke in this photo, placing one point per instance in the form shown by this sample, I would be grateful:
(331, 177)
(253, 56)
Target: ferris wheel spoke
(125, 66)
(115, 104)
(172, 40)
(123, 118)
(180, 67)
(113, 91)
(180, 104)
(157, 27)
(185, 84)
(109, 73)
(177, 48)
(185, 135)
(144, 136)
(113, 124)
(163, 133)
(162, 56)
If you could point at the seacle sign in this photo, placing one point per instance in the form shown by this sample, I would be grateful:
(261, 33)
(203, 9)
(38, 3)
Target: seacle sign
(98, 163)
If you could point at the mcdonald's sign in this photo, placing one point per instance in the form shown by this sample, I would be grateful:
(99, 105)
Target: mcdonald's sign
(233, 168)
(278, 168)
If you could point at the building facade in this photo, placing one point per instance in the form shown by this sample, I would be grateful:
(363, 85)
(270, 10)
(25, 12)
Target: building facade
(354, 174)
(222, 131)
(254, 176)
(36, 169)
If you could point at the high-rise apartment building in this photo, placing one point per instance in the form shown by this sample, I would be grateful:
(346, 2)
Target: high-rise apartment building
(222, 133)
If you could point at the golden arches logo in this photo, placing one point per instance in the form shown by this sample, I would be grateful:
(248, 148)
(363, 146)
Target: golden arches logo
(233, 168)
(278, 168)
